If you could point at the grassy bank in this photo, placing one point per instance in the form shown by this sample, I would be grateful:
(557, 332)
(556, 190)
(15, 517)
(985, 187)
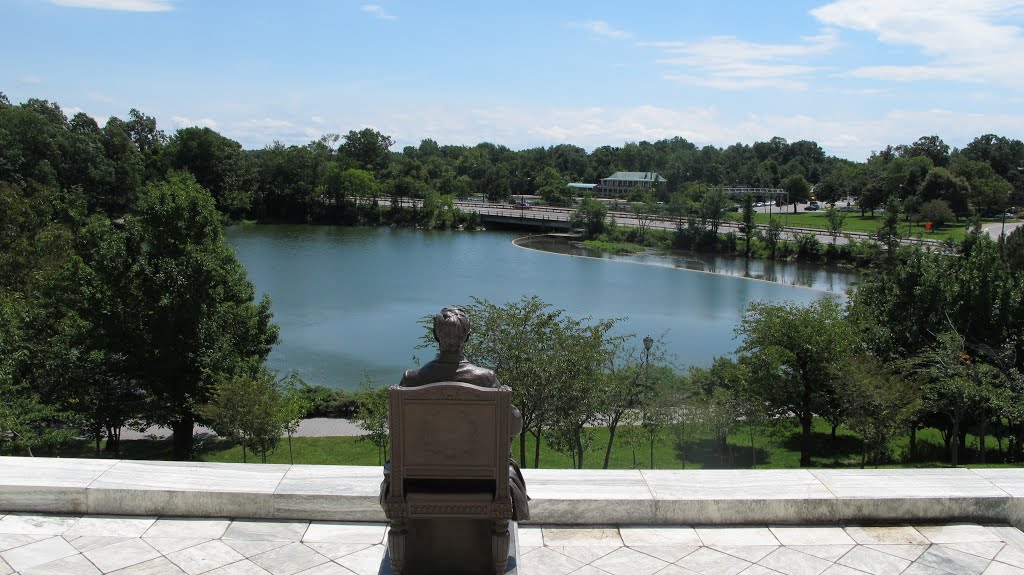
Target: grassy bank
(613, 247)
(775, 448)
(867, 224)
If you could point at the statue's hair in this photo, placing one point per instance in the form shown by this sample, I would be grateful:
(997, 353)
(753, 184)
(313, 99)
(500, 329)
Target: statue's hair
(451, 328)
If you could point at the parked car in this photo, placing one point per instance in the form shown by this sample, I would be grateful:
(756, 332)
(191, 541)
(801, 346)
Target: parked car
(812, 208)
(1007, 215)
(849, 209)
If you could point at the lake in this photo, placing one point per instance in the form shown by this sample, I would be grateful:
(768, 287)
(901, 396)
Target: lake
(347, 300)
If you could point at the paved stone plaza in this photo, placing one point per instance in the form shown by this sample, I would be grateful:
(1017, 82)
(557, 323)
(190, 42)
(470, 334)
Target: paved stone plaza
(34, 544)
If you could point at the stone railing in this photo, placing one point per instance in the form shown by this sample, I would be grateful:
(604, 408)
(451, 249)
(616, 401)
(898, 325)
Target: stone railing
(613, 497)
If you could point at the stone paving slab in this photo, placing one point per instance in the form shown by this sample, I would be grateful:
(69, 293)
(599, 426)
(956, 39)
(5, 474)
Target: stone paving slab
(164, 546)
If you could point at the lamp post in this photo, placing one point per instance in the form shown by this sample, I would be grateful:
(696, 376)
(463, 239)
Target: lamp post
(1002, 230)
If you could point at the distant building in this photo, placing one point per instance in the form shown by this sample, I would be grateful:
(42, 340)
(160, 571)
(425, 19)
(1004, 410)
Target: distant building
(621, 184)
(580, 189)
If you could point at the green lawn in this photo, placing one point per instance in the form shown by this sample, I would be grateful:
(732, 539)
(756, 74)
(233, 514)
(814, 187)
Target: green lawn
(776, 448)
(855, 222)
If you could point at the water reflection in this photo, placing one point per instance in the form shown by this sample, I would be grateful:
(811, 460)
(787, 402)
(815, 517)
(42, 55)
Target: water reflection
(814, 276)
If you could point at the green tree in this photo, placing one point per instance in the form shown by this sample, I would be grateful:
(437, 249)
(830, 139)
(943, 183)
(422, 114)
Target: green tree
(889, 232)
(368, 149)
(353, 184)
(197, 322)
(931, 147)
(955, 383)
(940, 184)
(798, 189)
(556, 366)
(372, 414)
(937, 212)
(629, 387)
(879, 402)
(644, 211)
(720, 402)
(829, 189)
(835, 220)
(26, 422)
(772, 235)
(254, 411)
(1013, 249)
(217, 164)
(591, 215)
(796, 349)
(553, 188)
(747, 228)
(711, 209)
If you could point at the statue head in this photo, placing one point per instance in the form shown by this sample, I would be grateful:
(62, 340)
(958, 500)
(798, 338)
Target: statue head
(451, 329)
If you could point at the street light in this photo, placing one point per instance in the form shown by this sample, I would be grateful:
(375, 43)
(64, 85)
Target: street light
(1002, 230)
(648, 343)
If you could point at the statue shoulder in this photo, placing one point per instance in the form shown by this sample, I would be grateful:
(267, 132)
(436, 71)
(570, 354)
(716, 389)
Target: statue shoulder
(410, 378)
(487, 378)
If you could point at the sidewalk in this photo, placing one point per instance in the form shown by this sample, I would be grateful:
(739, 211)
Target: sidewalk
(83, 545)
(313, 427)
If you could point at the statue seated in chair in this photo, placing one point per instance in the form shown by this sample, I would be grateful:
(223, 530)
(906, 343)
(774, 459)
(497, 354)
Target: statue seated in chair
(450, 482)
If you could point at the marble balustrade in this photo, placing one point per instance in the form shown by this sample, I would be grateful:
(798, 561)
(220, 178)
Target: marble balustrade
(565, 497)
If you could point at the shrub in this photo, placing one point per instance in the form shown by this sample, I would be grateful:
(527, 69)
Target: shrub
(327, 402)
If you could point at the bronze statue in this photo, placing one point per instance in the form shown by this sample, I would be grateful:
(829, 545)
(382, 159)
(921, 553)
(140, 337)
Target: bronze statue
(451, 332)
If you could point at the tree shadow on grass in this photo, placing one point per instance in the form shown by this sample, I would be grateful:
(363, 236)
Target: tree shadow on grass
(143, 449)
(841, 449)
(709, 454)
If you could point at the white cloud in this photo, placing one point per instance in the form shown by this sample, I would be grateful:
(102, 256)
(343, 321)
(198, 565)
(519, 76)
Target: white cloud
(965, 40)
(183, 122)
(601, 28)
(377, 11)
(30, 80)
(318, 120)
(123, 5)
(730, 63)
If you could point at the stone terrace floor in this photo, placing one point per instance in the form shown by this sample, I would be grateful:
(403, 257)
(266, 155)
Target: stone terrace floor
(32, 544)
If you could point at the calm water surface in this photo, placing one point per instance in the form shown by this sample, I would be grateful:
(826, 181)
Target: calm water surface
(348, 299)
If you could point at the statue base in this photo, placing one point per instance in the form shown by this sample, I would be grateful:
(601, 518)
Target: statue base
(461, 547)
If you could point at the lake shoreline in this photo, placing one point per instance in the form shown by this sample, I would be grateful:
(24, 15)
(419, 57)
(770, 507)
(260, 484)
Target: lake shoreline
(524, 242)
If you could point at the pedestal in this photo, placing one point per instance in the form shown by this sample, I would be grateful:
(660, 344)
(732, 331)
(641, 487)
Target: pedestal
(465, 550)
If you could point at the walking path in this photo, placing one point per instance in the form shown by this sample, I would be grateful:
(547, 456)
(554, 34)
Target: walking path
(39, 544)
(994, 230)
(312, 427)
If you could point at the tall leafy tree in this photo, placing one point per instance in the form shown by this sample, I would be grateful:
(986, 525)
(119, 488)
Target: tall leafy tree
(798, 188)
(796, 350)
(747, 228)
(197, 318)
(368, 148)
(217, 164)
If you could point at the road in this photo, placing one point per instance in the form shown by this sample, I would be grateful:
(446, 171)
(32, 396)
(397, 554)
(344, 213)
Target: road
(994, 230)
(629, 219)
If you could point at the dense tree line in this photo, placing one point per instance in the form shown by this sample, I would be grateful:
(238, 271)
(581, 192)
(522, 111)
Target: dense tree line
(328, 180)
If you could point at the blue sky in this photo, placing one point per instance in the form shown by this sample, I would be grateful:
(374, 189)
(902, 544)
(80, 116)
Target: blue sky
(853, 75)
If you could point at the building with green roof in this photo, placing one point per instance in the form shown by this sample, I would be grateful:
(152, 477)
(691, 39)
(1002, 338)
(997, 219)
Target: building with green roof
(621, 184)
